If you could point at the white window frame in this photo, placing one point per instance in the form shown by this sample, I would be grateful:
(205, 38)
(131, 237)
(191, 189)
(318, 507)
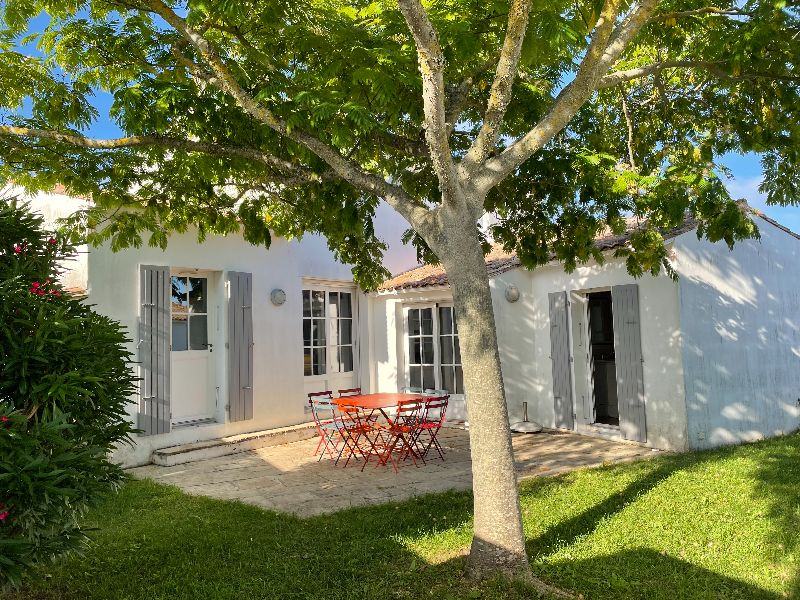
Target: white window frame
(189, 314)
(437, 363)
(331, 329)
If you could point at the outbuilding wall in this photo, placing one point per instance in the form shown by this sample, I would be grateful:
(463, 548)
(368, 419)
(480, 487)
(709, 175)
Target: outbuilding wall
(740, 312)
(526, 333)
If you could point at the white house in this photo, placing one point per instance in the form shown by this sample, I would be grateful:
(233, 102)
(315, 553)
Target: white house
(708, 359)
(230, 337)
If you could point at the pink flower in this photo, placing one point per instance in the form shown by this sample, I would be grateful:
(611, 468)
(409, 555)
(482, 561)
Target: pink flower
(56, 293)
(51, 241)
(3, 419)
(4, 516)
(36, 285)
(17, 249)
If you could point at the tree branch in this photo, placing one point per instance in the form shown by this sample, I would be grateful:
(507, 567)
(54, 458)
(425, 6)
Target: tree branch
(413, 211)
(707, 10)
(500, 94)
(606, 45)
(715, 68)
(629, 125)
(170, 143)
(431, 68)
(457, 94)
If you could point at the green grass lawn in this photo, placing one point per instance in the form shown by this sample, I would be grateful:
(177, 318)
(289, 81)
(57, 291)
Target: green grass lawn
(723, 524)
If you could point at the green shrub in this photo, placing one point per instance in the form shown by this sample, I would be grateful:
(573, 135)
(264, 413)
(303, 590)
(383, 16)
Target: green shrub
(64, 383)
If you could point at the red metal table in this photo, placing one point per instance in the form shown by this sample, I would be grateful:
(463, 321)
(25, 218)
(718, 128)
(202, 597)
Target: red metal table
(380, 402)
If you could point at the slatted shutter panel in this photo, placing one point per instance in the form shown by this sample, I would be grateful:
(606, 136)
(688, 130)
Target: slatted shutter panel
(628, 352)
(240, 346)
(154, 350)
(559, 355)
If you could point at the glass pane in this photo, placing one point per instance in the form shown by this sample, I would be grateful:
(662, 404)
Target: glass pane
(415, 376)
(446, 350)
(345, 305)
(306, 303)
(198, 332)
(333, 304)
(428, 380)
(457, 351)
(455, 323)
(345, 359)
(319, 361)
(448, 379)
(414, 351)
(306, 332)
(180, 333)
(318, 304)
(427, 350)
(427, 321)
(179, 289)
(459, 381)
(345, 331)
(307, 362)
(318, 332)
(413, 321)
(198, 294)
(445, 320)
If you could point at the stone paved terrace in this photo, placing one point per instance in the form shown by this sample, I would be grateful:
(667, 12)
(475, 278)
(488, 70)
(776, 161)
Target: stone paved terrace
(289, 479)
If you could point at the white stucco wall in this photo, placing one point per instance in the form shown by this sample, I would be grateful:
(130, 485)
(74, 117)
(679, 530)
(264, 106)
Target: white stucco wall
(661, 348)
(278, 394)
(740, 312)
(524, 342)
(52, 207)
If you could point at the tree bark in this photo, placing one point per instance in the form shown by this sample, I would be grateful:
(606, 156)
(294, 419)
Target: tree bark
(498, 543)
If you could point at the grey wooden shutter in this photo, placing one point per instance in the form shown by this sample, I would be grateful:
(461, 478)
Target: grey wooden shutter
(154, 350)
(559, 355)
(628, 352)
(240, 346)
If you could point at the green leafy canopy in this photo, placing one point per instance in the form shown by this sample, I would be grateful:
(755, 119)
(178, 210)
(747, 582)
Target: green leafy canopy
(347, 74)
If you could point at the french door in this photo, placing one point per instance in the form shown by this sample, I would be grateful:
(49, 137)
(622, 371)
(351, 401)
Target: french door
(432, 351)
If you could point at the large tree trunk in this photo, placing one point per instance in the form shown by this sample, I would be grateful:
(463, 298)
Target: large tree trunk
(498, 543)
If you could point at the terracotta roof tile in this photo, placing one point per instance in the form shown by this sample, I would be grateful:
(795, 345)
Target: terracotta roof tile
(499, 261)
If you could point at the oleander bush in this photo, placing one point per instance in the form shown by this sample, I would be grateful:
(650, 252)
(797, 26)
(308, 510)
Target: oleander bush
(65, 379)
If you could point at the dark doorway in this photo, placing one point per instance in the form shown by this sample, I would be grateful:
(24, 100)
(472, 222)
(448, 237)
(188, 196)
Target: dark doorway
(604, 368)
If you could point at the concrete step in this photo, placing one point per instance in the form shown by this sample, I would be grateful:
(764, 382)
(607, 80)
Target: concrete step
(176, 455)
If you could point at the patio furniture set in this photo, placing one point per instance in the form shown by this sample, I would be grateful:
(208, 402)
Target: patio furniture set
(380, 428)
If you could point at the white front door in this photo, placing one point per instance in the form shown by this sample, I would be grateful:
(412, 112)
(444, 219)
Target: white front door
(193, 382)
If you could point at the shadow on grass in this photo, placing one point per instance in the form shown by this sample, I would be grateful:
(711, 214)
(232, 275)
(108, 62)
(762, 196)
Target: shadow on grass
(156, 543)
(778, 475)
(655, 576)
(568, 531)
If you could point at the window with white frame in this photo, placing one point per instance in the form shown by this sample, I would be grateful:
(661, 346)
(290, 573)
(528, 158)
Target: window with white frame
(434, 355)
(189, 312)
(327, 331)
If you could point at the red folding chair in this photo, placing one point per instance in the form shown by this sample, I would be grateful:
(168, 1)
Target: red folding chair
(430, 424)
(356, 431)
(400, 433)
(350, 392)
